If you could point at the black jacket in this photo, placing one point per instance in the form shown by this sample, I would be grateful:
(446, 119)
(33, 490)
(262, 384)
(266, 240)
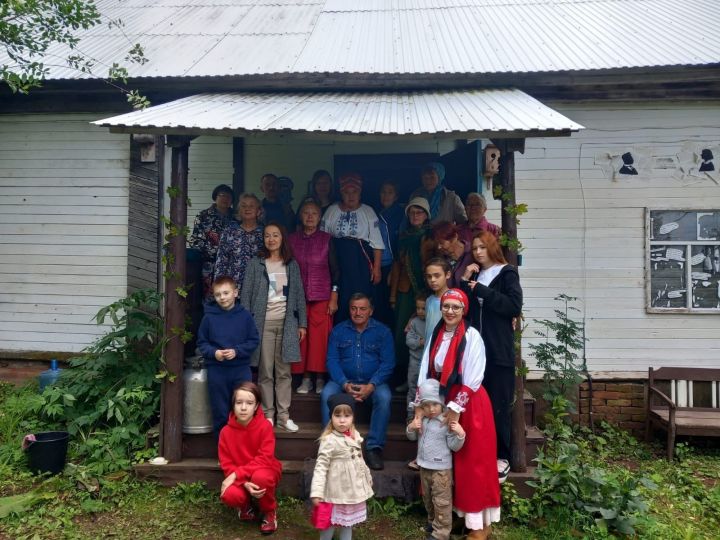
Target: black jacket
(492, 309)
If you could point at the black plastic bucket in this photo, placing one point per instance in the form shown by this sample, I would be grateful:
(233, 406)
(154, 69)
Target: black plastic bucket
(47, 454)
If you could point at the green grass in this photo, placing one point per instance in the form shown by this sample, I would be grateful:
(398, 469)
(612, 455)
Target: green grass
(684, 505)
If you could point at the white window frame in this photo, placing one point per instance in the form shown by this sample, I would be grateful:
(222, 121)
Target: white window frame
(687, 245)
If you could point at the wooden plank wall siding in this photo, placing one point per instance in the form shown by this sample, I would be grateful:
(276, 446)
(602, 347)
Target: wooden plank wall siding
(585, 234)
(143, 223)
(210, 163)
(63, 229)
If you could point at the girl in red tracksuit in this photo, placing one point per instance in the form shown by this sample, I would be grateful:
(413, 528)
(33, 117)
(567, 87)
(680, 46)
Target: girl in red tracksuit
(247, 458)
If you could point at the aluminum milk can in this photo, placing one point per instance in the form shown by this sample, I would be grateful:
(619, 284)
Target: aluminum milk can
(197, 416)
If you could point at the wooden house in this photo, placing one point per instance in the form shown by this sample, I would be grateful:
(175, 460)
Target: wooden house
(618, 212)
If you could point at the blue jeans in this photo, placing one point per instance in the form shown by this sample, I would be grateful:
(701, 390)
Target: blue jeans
(379, 418)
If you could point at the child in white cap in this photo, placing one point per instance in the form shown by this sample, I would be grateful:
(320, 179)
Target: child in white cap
(437, 441)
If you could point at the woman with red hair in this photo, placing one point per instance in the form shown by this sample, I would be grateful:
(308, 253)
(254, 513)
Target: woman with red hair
(495, 285)
(456, 357)
(453, 248)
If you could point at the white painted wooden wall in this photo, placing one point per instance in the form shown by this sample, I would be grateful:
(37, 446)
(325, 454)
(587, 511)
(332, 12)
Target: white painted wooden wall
(210, 162)
(63, 229)
(585, 234)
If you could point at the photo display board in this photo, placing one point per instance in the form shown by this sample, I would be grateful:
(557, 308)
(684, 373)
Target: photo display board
(683, 261)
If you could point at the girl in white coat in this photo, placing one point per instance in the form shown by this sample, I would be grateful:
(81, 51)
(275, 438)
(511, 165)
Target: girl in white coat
(341, 482)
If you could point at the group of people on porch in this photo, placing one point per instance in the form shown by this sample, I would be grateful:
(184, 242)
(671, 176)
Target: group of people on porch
(359, 303)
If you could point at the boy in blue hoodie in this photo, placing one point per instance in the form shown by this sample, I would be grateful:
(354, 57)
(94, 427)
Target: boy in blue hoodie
(226, 339)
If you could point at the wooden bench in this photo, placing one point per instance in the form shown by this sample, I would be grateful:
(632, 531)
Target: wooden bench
(677, 413)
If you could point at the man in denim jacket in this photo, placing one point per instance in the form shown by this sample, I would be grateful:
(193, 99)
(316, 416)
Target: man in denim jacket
(360, 360)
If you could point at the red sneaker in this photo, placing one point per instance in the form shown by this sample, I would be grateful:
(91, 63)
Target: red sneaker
(269, 522)
(247, 514)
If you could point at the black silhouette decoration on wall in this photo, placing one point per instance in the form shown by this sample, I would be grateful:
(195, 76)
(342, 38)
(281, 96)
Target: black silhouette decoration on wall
(707, 156)
(627, 167)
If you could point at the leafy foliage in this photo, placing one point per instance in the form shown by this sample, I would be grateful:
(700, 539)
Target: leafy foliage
(603, 498)
(390, 507)
(32, 30)
(19, 410)
(558, 354)
(111, 394)
(194, 493)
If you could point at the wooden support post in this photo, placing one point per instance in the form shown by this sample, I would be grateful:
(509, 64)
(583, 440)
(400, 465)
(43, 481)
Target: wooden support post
(171, 408)
(518, 462)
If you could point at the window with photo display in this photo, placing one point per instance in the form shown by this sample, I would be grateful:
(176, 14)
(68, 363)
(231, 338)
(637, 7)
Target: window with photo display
(683, 261)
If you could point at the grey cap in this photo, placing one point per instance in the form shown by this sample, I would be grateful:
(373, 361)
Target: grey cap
(429, 392)
(420, 202)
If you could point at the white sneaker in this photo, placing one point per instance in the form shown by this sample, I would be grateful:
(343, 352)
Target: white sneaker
(305, 386)
(271, 421)
(289, 425)
(503, 469)
(319, 386)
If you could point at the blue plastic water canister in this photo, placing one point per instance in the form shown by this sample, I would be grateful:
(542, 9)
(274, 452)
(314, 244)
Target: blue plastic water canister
(49, 376)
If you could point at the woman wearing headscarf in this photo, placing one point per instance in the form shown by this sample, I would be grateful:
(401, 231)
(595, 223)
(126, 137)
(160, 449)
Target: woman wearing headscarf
(475, 207)
(445, 205)
(456, 357)
(358, 242)
(415, 248)
(207, 229)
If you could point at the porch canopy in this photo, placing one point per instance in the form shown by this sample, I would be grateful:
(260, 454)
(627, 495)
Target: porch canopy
(507, 116)
(466, 114)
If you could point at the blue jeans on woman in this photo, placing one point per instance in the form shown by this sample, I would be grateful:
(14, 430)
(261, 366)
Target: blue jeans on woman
(379, 419)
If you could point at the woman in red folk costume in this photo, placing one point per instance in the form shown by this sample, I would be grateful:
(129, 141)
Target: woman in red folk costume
(456, 357)
(247, 459)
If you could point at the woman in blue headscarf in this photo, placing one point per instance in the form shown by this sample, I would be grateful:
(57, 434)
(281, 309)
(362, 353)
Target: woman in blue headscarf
(445, 205)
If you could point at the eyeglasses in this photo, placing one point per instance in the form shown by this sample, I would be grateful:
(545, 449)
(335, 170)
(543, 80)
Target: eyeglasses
(451, 309)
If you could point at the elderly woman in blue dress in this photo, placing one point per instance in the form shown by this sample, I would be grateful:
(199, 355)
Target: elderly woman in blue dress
(358, 243)
(241, 240)
(445, 205)
(207, 229)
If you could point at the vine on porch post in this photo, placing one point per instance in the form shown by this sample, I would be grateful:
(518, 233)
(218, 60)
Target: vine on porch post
(176, 291)
(171, 274)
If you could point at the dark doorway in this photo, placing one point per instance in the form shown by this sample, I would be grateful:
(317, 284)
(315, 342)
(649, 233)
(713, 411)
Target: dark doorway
(403, 169)
(463, 168)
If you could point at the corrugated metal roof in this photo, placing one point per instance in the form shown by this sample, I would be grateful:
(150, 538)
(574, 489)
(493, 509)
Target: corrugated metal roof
(472, 113)
(184, 38)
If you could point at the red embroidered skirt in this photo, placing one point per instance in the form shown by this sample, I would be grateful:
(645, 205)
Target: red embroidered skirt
(475, 465)
(313, 349)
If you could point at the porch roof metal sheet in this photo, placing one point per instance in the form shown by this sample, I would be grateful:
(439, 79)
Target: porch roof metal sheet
(438, 113)
(196, 38)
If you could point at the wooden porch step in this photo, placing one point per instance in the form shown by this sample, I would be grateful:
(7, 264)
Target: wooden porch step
(306, 408)
(396, 480)
(534, 439)
(303, 444)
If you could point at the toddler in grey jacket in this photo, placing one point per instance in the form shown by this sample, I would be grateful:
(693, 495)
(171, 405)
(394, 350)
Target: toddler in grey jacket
(437, 441)
(415, 340)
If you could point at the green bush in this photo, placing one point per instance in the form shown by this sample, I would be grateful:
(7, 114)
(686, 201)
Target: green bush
(559, 354)
(110, 395)
(567, 477)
